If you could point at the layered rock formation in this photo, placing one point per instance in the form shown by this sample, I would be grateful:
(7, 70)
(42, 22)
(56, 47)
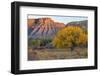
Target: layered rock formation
(83, 24)
(43, 28)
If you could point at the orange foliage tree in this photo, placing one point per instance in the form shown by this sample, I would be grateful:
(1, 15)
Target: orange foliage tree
(69, 37)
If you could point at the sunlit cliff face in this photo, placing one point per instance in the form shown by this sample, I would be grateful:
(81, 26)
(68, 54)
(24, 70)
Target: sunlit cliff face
(43, 27)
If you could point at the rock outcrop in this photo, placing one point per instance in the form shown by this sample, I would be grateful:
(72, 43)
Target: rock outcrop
(83, 24)
(43, 28)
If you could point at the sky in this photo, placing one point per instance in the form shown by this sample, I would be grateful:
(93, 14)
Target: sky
(62, 19)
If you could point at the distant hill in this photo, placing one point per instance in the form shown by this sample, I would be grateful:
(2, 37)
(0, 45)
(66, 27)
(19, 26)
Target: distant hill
(83, 24)
(43, 28)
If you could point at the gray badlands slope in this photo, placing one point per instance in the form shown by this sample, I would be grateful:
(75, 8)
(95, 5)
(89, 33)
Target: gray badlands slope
(43, 28)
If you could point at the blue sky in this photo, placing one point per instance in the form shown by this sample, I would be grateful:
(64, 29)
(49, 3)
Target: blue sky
(62, 19)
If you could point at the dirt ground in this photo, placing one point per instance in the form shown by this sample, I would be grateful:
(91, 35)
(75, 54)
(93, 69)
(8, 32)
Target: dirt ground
(52, 54)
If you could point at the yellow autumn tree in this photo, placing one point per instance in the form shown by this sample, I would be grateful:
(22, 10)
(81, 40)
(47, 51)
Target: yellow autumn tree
(70, 36)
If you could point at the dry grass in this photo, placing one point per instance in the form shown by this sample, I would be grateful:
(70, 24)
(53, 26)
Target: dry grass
(51, 54)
